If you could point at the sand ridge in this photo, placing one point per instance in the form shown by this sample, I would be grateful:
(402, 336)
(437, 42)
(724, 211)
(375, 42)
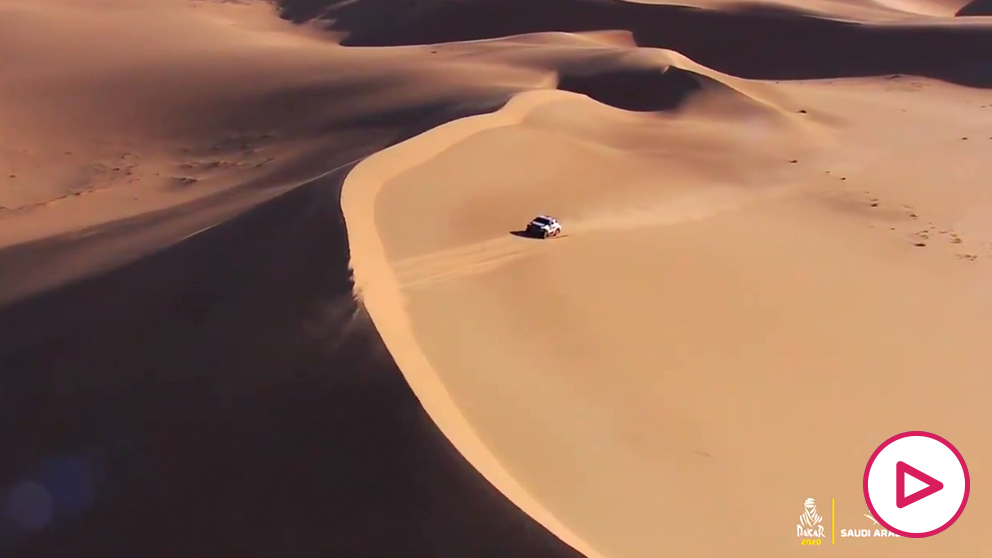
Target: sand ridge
(702, 239)
(376, 285)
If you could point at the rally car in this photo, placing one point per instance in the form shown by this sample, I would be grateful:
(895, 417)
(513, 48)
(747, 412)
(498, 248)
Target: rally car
(543, 226)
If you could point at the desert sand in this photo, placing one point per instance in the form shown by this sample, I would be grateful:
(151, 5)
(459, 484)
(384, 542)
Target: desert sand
(260, 291)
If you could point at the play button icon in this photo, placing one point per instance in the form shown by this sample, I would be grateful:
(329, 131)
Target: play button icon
(931, 485)
(916, 484)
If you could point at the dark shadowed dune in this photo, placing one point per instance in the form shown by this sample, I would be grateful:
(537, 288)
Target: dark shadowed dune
(976, 8)
(227, 396)
(762, 44)
(637, 89)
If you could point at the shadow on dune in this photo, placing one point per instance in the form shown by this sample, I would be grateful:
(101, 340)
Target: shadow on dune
(228, 396)
(753, 44)
(636, 89)
(976, 8)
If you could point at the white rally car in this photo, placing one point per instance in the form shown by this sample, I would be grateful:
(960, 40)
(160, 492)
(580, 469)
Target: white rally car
(543, 226)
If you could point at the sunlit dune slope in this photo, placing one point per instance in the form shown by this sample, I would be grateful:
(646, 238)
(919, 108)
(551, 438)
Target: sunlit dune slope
(742, 307)
(104, 129)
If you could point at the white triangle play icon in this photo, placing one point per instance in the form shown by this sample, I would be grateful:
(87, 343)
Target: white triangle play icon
(914, 485)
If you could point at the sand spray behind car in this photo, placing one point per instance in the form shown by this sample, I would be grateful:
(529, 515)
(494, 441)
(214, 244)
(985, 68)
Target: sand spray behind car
(459, 262)
(479, 258)
(675, 210)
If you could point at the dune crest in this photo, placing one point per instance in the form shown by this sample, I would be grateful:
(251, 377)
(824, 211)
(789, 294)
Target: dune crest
(376, 284)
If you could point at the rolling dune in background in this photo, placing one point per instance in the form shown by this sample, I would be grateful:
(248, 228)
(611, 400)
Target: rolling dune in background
(260, 293)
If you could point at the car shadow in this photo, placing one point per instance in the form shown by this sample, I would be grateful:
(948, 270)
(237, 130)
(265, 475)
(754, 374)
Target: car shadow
(523, 234)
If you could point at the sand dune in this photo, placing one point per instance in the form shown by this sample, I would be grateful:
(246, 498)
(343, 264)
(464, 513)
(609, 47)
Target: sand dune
(183, 368)
(975, 8)
(753, 43)
(241, 101)
(260, 291)
(730, 278)
(631, 381)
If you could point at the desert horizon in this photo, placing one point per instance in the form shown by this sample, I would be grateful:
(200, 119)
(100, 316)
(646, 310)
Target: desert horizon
(265, 287)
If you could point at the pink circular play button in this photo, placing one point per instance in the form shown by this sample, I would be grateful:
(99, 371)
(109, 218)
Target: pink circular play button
(916, 484)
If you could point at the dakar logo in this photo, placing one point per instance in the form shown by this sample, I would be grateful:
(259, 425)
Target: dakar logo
(809, 526)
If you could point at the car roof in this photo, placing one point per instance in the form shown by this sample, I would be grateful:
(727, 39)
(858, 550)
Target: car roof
(546, 218)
